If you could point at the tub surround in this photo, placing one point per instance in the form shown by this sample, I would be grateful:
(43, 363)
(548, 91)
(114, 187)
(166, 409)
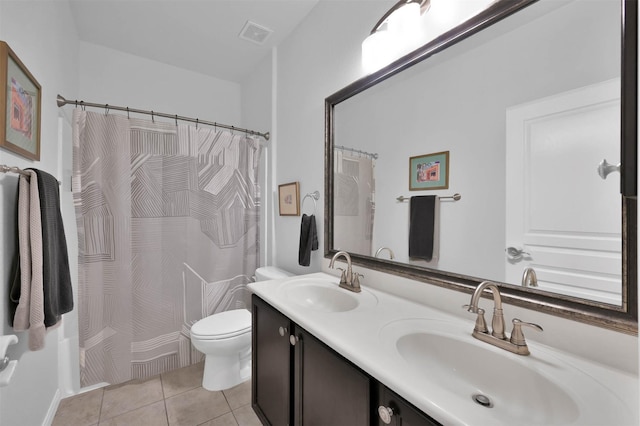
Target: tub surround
(366, 335)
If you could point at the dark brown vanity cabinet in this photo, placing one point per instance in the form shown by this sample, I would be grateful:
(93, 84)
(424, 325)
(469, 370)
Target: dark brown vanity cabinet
(300, 381)
(271, 364)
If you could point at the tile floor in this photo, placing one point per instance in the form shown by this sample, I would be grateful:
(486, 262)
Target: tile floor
(173, 398)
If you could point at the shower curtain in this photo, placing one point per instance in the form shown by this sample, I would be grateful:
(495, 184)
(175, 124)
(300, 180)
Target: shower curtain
(354, 205)
(168, 220)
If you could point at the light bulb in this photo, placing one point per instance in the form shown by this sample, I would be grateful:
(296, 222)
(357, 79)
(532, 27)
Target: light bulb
(376, 51)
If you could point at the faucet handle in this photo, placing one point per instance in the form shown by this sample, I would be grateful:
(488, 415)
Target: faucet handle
(481, 323)
(517, 337)
(470, 308)
(343, 276)
(355, 281)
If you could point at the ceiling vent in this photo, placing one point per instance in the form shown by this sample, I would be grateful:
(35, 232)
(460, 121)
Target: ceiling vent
(255, 33)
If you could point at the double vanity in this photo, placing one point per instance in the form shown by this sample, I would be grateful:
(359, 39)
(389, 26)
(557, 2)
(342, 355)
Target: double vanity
(326, 355)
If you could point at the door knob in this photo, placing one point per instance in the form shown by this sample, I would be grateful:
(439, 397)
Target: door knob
(605, 168)
(282, 331)
(514, 253)
(293, 339)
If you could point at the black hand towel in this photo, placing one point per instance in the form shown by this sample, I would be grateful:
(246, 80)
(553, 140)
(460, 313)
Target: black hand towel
(58, 297)
(308, 239)
(422, 226)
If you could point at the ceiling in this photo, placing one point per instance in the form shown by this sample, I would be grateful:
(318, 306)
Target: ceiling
(198, 35)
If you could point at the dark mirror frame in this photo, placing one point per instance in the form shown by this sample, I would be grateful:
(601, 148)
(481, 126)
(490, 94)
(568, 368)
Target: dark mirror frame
(622, 318)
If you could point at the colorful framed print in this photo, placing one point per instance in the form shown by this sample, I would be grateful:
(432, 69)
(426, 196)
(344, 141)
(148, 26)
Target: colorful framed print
(289, 199)
(429, 171)
(20, 111)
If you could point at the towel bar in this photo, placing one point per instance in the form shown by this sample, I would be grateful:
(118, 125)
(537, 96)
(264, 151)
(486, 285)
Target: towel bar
(13, 169)
(455, 197)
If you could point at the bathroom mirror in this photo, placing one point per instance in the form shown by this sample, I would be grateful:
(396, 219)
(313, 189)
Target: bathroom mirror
(526, 98)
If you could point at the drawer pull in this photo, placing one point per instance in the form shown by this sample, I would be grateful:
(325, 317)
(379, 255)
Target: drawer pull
(385, 414)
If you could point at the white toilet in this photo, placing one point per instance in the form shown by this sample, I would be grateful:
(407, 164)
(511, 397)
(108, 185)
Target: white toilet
(225, 339)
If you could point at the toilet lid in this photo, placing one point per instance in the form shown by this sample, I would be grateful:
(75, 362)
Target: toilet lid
(223, 325)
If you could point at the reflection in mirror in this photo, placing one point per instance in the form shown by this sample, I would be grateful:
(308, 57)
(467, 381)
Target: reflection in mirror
(527, 109)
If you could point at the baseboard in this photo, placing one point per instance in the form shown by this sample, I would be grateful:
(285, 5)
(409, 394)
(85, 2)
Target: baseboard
(53, 407)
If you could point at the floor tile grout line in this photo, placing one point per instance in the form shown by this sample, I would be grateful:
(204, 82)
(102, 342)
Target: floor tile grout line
(101, 402)
(164, 400)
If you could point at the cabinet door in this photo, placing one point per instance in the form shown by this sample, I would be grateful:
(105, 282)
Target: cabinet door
(328, 389)
(271, 364)
(399, 411)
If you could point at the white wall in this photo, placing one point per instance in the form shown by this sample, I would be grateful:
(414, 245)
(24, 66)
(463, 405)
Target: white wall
(257, 115)
(108, 76)
(314, 63)
(42, 34)
(320, 57)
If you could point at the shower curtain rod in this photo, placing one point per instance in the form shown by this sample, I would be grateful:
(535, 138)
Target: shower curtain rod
(62, 102)
(346, 148)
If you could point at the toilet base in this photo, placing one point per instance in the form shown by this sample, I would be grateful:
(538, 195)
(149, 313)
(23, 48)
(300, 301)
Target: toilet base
(222, 373)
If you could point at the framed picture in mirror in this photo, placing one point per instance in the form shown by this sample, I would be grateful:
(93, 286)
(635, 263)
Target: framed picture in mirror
(20, 106)
(289, 199)
(429, 171)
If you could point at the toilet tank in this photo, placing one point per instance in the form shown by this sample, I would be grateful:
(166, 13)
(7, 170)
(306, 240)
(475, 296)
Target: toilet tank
(266, 273)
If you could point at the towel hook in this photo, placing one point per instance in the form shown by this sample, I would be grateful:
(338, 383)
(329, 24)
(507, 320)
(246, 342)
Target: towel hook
(315, 195)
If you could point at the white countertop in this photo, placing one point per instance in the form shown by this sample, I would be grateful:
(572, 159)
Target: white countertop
(359, 336)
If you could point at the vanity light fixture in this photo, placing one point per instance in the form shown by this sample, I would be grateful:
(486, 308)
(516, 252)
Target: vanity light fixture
(394, 34)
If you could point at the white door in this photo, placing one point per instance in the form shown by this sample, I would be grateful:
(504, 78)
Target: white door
(559, 210)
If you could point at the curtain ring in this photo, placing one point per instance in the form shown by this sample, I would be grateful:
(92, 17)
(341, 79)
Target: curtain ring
(176, 120)
(128, 113)
(215, 126)
(82, 106)
(153, 119)
(106, 109)
(197, 123)
(76, 103)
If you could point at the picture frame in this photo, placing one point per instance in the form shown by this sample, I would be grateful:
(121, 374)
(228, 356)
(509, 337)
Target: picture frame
(289, 199)
(429, 171)
(20, 106)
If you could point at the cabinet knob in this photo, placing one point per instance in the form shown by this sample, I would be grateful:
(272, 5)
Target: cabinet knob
(385, 414)
(282, 331)
(293, 339)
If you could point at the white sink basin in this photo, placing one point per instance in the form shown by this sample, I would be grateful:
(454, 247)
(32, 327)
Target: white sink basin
(539, 389)
(325, 295)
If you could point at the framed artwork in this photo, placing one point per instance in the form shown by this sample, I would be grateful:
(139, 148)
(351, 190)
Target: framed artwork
(429, 171)
(20, 107)
(289, 196)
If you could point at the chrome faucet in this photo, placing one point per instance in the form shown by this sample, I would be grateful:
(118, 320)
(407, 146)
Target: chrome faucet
(529, 278)
(381, 249)
(516, 343)
(348, 280)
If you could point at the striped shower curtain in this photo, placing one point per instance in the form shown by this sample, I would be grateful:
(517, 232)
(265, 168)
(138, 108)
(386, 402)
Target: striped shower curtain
(168, 233)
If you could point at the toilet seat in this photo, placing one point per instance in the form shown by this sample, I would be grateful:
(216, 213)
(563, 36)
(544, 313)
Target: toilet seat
(223, 325)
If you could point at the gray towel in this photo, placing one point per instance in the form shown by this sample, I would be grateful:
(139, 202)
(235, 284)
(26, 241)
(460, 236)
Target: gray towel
(308, 239)
(58, 297)
(422, 222)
